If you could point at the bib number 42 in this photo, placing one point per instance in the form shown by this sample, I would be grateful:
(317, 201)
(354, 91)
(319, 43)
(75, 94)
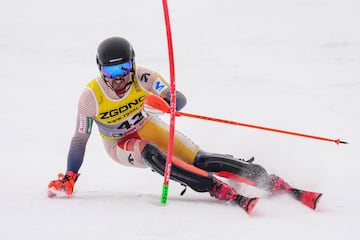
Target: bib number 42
(132, 122)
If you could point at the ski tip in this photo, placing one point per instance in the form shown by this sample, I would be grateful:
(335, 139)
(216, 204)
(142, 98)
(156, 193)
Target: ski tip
(316, 200)
(311, 199)
(249, 204)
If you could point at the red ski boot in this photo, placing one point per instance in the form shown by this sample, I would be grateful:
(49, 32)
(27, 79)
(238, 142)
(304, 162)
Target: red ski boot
(276, 185)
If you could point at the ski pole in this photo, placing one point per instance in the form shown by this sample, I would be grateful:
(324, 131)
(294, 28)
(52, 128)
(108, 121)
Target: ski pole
(172, 108)
(159, 103)
(337, 141)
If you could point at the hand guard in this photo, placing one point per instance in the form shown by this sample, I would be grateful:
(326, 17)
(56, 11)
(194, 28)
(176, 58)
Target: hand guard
(155, 105)
(64, 184)
(153, 111)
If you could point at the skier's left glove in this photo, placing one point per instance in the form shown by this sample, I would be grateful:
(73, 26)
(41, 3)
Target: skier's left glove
(153, 111)
(64, 184)
(155, 105)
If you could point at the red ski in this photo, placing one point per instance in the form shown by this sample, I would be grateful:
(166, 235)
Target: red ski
(247, 203)
(310, 199)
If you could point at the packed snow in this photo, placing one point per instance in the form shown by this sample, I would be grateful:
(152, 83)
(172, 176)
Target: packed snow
(291, 65)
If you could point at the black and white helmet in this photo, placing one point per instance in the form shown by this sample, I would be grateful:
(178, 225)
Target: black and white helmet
(113, 51)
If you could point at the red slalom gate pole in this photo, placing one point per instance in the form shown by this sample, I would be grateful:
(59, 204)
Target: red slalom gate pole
(172, 106)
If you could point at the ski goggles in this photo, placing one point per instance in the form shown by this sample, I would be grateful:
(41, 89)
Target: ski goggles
(119, 70)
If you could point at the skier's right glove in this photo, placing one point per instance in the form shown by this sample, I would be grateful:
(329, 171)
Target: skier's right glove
(64, 184)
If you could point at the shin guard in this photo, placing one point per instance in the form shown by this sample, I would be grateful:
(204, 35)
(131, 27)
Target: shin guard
(226, 163)
(197, 179)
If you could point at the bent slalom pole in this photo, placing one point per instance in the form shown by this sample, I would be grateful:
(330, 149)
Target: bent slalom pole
(172, 108)
(159, 103)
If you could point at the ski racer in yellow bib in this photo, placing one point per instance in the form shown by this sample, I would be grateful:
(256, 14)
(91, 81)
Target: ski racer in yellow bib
(118, 118)
(134, 135)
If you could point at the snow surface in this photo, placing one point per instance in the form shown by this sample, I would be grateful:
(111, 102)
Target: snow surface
(293, 65)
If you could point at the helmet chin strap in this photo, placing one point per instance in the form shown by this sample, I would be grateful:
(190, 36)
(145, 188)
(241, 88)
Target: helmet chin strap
(124, 89)
(107, 82)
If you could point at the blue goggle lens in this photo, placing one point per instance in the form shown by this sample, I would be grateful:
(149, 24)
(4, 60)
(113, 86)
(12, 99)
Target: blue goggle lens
(119, 70)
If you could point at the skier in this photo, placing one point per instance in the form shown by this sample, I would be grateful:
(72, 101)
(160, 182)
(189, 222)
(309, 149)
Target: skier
(134, 135)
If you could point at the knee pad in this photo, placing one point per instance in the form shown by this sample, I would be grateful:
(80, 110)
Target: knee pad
(218, 162)
(156, 159)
